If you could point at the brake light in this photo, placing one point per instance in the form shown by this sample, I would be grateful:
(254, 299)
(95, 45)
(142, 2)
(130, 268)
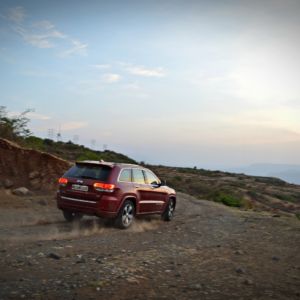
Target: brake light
(104, 187)
(63, 181)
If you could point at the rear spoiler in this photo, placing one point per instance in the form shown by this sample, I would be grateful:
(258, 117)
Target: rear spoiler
(95, 163)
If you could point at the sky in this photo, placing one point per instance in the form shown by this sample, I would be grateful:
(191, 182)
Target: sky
(212, 84)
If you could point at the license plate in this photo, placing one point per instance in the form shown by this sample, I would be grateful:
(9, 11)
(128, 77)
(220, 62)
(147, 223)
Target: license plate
(78, 187)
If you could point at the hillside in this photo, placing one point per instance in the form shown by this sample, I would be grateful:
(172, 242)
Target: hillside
(39, 170)
(73, 152)
(237, 190)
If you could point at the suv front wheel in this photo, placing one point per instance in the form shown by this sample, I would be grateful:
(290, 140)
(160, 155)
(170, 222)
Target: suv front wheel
(126, 215)
(169, 211)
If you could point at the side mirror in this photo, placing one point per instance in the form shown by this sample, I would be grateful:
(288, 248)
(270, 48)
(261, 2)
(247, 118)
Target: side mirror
(155, 184)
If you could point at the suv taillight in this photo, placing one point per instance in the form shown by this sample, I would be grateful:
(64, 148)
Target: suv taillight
(104, 187)
(63, 181)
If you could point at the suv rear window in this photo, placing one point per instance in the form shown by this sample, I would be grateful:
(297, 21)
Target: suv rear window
(89, 172)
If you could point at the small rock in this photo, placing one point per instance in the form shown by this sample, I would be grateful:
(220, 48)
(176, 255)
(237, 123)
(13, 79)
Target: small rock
(33, 174)
(197, 286)
(239, 252)
(275, 258)
(248, 282)
(99, 260)
(132, 280)
(276, 216)
(53, 255)
(43, 202)
(21, 191)
(35, 183)
(240, 271)
(8, 183)
(80, 259)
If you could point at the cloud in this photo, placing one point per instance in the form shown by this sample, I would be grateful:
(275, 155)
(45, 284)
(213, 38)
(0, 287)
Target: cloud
(77, 48)
(36, 40)
(147, 72)
(101, 66)
(37, 116)
(111, 78)
(73, 125)
(132, 86)
(43, 34)
(16, 14)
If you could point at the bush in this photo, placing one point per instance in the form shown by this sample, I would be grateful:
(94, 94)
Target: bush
(228, 200)
(34, 143)
(285, 197)
(88, 155)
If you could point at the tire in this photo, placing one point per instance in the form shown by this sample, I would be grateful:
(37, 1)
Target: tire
(71, 216)
(126, 215)
(169, 211)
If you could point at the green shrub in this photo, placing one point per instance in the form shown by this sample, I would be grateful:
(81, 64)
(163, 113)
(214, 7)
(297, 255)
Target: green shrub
(88, 155)
(178, 178)
(227, 199)
(285, 197)
(34, 143)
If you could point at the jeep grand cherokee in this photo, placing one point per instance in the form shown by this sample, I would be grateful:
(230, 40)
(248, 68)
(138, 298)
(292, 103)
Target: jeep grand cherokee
(113, 190)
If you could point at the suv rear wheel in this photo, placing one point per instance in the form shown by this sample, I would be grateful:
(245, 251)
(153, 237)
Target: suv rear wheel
(71, 216)
(126, 215)
(169, 211)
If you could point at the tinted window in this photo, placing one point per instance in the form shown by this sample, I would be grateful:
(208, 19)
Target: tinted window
(151, 178)
(138, 176)
(100, 173)
(125, 175)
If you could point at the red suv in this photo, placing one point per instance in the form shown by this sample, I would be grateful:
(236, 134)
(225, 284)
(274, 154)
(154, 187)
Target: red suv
(113, 190)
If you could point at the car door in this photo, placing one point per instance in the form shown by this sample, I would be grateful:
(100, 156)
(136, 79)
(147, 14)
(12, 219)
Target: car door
(155, 196)
(143, 190)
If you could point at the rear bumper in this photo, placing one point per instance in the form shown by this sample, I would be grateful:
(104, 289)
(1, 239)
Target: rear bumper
(106, 207)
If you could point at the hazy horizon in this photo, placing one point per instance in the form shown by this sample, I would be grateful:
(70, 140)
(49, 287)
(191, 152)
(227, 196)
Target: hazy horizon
(186, 83)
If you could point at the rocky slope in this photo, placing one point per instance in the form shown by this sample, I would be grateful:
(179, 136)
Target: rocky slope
(29, 168)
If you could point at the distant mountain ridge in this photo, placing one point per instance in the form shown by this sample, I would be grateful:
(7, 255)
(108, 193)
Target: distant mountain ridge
(287, 172)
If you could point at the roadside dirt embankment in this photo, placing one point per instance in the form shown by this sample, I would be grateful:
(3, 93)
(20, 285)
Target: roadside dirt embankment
(29, 168)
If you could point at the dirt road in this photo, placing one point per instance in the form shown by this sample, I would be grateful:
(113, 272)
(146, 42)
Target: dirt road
(208, 251)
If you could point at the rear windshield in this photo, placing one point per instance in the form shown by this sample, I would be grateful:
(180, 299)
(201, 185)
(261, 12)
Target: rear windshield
(83, 171)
